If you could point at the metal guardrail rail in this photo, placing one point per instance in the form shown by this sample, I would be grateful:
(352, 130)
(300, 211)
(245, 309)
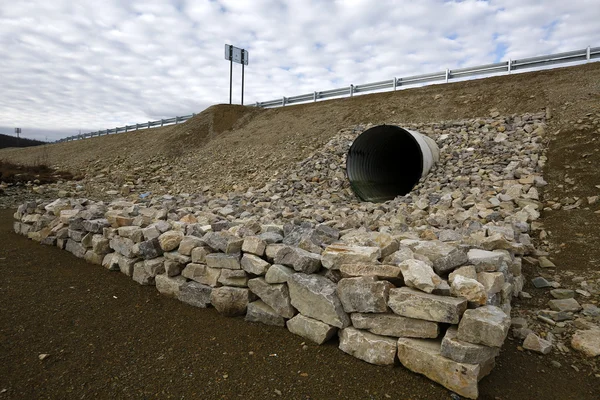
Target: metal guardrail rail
(587, 54)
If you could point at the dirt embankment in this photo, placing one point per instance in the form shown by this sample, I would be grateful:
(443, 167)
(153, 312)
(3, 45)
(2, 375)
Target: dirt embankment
(227, 145)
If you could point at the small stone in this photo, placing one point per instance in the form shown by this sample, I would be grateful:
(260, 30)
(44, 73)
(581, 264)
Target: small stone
(587, 341)
(564, 305)
(540, 283)
(43, 356)
(562, 293)
(545, 263)
(534, 343)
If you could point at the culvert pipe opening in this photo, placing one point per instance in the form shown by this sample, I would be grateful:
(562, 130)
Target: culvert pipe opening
(386, 161)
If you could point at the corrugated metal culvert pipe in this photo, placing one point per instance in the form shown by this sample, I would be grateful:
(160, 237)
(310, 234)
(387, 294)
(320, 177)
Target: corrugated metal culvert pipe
(386, 161)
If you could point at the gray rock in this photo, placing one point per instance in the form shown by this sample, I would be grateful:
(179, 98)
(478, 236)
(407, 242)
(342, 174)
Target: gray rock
(424, 357)
(254, 264)
(223, 261)
(169, 286)
(535, 343)
(380, 271)
(300, 260)
(311, 329)
(230, 301)
(276, 296)
(445, 257)
(100, 245)
(465, 352)
(363, 294)
(172, 268)
(540, 283)
(224, 241)
(278, 273)
(413, 303)
(254, 245)
(395, 325)
(154, 267)
(150, 249)
(487, 325)
(492, 281)
(93, 258)
(271, 237)
(111, 262)
(131, 232)
(188, 244)
(199, 254)
(202, 274)
(315, 296)
(467, 271)
(258, 311)
(75, 248)
(195, 294)
(564, 305)
(335, 255)
(126, 264)
(374, 349)
(123, 246)
(484, 260)
(233, 277)
(150, 232)
(140, 275)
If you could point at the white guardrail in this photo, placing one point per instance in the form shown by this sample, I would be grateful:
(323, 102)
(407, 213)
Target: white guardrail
(587, 54)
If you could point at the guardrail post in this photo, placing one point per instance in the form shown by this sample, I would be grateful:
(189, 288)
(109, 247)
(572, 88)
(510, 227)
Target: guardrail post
(509, 65)
(117, 129)
(176, 120)
(447, 74)
(351, 90)
(283, 101)
(395, 83)
(137, 126)
(148, 124)
(588, 53)
(315, 97)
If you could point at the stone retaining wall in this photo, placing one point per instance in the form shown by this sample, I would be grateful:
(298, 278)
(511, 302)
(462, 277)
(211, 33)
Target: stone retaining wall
(442, 308)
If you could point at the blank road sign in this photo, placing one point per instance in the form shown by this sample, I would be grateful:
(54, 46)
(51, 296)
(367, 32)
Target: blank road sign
(236, 54)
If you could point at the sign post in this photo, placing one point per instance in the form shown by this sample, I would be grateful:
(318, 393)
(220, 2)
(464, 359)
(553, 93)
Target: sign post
(18, 131)
(240, 56)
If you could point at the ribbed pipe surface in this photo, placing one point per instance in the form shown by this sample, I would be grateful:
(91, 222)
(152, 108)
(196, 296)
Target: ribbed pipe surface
(386, 161)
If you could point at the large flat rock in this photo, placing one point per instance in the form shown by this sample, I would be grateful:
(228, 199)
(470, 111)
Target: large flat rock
(395, 325)
(424, 357)
(413, 303)
(364, 294)
(311, 329)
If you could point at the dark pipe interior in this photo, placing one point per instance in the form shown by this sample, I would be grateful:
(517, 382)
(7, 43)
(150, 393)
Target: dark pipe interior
(383, 162)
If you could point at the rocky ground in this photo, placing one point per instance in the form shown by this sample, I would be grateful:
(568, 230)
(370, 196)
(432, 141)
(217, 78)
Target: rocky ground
(499, 170)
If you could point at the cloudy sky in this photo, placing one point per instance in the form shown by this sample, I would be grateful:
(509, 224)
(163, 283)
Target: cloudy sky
(86, 65)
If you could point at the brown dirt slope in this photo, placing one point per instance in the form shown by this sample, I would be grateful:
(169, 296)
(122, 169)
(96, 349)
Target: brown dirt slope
(108, 337)
(248, 145)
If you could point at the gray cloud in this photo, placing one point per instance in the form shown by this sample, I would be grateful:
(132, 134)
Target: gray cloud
(94, 65)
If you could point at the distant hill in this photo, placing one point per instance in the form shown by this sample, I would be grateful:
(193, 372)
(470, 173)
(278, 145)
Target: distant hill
(12, 141)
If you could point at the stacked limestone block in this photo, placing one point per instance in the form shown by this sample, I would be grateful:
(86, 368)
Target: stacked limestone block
(440, 308)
